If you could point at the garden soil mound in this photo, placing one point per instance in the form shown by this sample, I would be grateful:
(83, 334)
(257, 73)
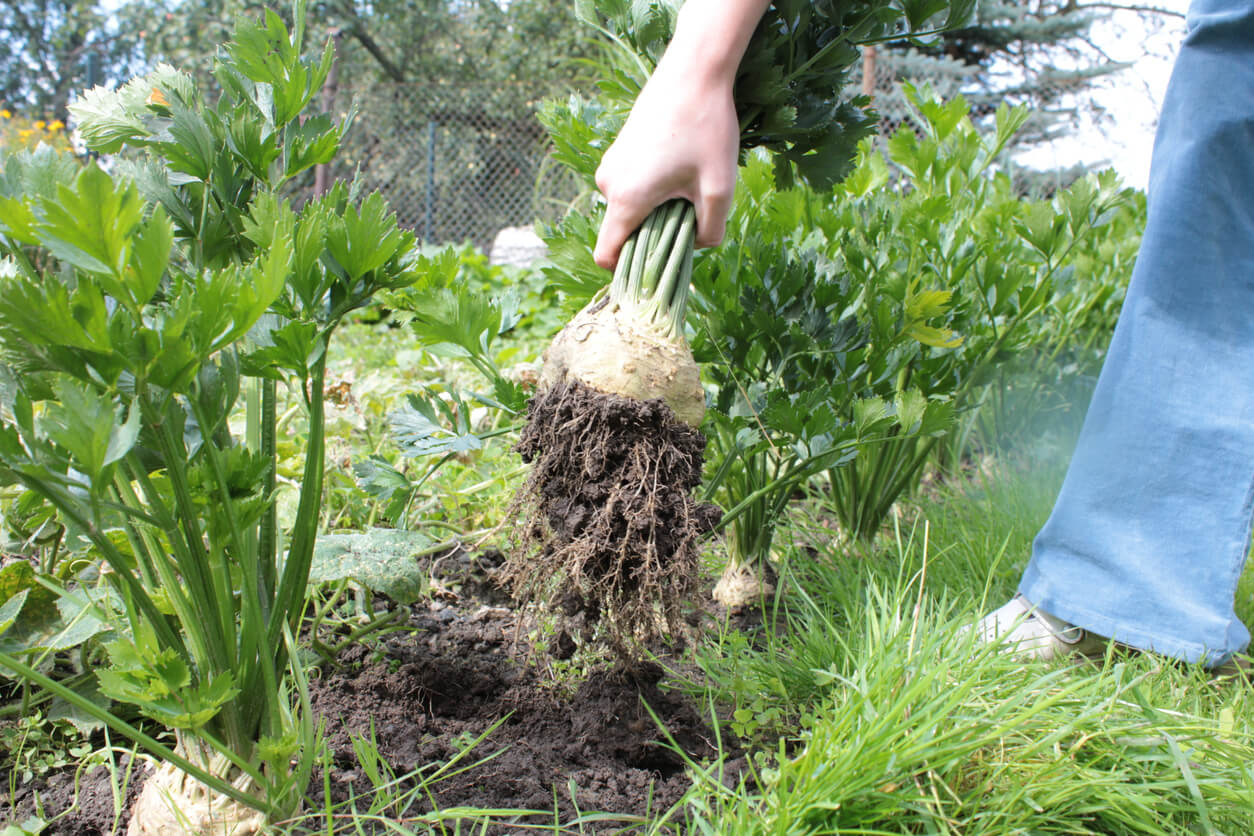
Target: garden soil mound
(610, 520)
(464, 665)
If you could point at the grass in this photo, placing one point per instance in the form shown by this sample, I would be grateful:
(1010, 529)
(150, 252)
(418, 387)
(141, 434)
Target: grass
(891, 720)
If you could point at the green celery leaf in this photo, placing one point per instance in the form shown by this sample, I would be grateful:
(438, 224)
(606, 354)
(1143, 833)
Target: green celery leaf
(254, 142)
(109, 119)
(90, 224)
(428, 424)
(18, 220)
(150, 255)
(457, 317)
(365, 238)
(90, 426)
(377, 477)
(314, 141)
(910, 406)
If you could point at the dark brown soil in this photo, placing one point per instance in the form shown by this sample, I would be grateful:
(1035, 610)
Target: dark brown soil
(464, 670)
(96, 810)
(611, 524)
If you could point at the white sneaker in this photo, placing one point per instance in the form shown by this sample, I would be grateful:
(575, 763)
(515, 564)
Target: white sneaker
(1031, 633)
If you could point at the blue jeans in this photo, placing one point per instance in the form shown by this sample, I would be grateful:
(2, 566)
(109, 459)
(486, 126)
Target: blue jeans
(1152, 527)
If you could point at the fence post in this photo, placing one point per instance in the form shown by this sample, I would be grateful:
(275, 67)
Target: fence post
(430, 209)
(868, 71)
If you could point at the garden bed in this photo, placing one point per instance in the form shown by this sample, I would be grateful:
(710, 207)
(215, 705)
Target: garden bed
(464, 670)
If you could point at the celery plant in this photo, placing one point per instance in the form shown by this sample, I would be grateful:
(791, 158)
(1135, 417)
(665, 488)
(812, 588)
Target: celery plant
(138, 306)
(784, 350)
(951, 241)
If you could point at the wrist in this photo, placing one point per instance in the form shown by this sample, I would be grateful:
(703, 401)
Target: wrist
(711, 37)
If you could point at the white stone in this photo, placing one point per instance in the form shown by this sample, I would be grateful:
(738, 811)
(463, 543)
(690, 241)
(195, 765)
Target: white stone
(517, 246)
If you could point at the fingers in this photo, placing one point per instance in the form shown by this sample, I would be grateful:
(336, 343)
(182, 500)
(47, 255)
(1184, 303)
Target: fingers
(629, 199)
(622, 217)
(705, 177)
(713, 207)
(625, 213)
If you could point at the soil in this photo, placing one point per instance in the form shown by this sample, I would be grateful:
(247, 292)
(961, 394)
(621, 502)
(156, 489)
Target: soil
(611, 525)
(464, 670)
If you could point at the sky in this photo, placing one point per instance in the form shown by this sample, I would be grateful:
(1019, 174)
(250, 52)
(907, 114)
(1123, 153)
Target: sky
(1125, 137)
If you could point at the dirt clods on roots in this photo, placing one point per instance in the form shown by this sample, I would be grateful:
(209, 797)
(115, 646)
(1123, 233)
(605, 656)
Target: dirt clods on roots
(610, 518)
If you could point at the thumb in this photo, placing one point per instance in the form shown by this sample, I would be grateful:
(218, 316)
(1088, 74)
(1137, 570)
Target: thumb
(620, 221)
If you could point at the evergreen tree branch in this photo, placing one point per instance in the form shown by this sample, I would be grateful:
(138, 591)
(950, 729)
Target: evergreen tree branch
(1123, 7)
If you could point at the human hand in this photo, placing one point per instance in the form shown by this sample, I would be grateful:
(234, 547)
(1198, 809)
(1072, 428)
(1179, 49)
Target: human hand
(682, 136)
(681, 140)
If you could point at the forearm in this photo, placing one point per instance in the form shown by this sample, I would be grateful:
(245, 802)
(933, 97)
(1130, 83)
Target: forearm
(711, 36)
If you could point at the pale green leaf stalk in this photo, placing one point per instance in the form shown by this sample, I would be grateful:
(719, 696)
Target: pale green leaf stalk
(654, 270)
(154, 302)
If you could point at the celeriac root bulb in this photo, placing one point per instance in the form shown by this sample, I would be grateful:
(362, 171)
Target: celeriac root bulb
(603, 348)
(172, 803)
(611, 527)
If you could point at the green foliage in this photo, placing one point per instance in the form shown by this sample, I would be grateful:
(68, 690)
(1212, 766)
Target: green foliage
(461, 310)
(39, 622)
(790, 89)
(148, 307)
(783, 352)
(382, 560)
(1045, 388)
(972, 268)
(34, 745)
(841, 334)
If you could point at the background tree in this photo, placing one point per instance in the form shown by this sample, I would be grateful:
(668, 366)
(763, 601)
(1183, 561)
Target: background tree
(530, 43)
(188, 34)
(48, 49)
(1046, 54)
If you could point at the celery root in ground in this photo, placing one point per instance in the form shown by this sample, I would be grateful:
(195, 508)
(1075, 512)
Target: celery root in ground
(172, 803)
(610, 516)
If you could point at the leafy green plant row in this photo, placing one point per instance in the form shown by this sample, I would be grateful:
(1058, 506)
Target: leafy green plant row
(147, 308)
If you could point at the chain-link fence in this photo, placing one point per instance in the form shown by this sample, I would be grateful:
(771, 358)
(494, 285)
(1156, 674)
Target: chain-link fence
(455, 163)
(461, 163)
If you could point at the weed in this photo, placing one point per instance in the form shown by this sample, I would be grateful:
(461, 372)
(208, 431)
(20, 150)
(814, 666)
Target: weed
(34, 745)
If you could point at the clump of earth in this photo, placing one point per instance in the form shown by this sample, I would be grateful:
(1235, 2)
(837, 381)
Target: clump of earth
(611, 524)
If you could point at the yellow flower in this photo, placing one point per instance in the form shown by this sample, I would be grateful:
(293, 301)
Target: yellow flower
(24, 134)
(4, 114)
(55, 125)
(40, 124)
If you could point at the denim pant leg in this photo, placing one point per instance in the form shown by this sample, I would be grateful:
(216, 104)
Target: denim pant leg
(1152, 526)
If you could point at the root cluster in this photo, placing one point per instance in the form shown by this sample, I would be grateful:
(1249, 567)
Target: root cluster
(609, 517)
